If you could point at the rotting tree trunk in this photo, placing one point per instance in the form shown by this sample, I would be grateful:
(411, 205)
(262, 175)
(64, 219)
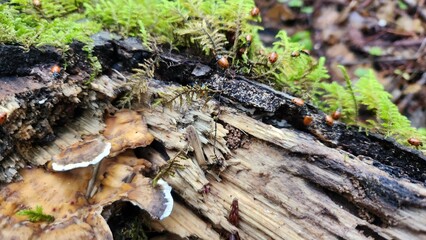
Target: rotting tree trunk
(316, 182)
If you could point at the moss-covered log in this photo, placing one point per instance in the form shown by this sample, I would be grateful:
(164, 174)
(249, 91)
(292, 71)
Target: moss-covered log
(291, 180)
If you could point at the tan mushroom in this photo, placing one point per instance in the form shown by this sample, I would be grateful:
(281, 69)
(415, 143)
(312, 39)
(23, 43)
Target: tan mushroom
(61, 194)
(126, 129)
(89, 151)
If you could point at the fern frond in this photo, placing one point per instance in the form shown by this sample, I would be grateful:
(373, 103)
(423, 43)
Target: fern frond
(205, 35)
(138, 82)
(392, 123)
(336, 97)
(185, 95)
(171, 167)
(350, 90)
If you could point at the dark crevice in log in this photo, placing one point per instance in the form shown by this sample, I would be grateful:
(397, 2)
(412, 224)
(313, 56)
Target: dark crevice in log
(377, 188)
(353, 208)
(369, 233)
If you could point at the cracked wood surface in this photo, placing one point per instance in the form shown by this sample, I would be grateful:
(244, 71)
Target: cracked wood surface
(288, 184)
(291, 186)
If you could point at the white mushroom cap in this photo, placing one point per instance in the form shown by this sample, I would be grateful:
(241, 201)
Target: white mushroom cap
(168, 197)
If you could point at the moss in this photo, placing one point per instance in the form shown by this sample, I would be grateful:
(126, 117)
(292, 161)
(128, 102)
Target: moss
(31, 30)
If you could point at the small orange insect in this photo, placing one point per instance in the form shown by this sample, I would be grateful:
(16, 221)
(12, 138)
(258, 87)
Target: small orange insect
(298, 101)
(255, 12)
(55, 70)
(3, 117)
(223, 62)
(329, 120)
(307, 120)
(273, 57)
(336, 115)
(415, 142)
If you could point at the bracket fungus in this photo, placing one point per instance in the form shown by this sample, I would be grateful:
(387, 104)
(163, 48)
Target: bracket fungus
(61, 194)
(66, 193)
(90, 151)
(126, 129)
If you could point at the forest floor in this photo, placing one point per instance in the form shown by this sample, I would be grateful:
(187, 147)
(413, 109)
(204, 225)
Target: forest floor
(388, 36)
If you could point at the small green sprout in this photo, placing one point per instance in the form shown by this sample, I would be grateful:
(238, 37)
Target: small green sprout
(36, 215)
(375, 51)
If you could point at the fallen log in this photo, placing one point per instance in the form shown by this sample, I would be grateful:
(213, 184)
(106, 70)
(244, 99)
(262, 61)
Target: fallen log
(291, 181)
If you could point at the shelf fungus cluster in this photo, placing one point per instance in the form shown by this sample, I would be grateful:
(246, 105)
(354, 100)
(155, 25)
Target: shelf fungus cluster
(74, 193)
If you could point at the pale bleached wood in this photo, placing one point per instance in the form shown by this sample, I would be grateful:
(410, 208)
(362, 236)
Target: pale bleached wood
(178, 221)
(280, 180)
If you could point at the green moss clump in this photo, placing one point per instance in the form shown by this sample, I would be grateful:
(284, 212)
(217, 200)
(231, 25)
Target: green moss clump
(31, 30)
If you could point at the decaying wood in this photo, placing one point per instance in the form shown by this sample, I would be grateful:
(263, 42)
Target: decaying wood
(290, 186)
(291, 181)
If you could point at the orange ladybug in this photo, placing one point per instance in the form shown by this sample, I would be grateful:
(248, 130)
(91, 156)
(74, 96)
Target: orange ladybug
(255, 12)
(3, 117)
(329, 120)
(55, 70)
(415, 142)
(307, 120)
(273, 57)
(223, 62)
(299, 102)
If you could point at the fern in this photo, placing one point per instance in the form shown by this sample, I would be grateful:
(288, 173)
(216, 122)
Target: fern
(48, 9)
(96, 66)
(138, 82)
(204, 33)
(170, 168)
(336, 97)
(184, 94)
(350, 90)
(372, 94)
(36, 215)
